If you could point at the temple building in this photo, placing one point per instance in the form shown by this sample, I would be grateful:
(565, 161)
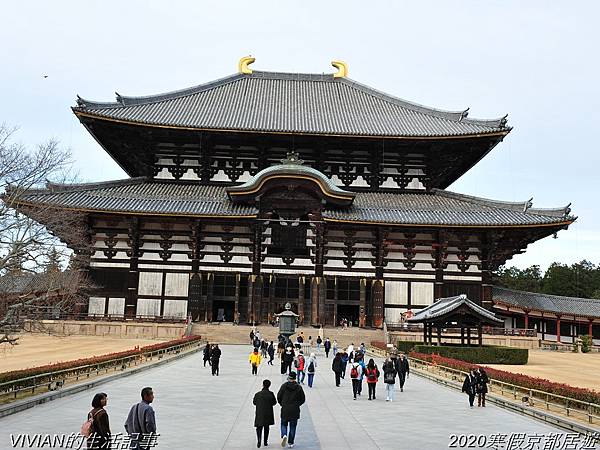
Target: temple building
(263, 188)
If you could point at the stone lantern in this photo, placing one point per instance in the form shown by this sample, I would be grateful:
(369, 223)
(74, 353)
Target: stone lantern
(287, 322)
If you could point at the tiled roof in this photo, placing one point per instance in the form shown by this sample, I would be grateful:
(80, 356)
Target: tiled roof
(291, 103)
(143, 196)
(445, 306)
(533, 301)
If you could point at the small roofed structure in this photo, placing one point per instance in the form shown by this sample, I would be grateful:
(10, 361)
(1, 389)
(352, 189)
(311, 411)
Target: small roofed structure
(454, 312)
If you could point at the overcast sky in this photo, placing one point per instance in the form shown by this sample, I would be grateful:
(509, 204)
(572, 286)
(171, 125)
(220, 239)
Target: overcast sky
(536, 60)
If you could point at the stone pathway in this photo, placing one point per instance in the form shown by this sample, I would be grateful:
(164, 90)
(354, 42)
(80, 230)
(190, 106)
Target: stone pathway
(195, 410)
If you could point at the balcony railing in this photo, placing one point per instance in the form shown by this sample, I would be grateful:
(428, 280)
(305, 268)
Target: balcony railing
(490, 331)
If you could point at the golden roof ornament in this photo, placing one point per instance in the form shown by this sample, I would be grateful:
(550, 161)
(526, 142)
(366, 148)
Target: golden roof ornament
(244, 63)
(342, 68)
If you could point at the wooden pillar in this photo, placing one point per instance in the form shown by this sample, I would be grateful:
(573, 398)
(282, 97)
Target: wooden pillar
(438, 330)
(543, 326)
(208, 307)
(425, 333)
(591, 327)
(377, 294)
(469, 336)
(526, 319)
(255, 281)
(300, 300)
(462, 335)
(272, 281)
(480, 333)
(318, 293)
(362, 321)
(557, 328)
(440, 245)
(236, 306)
(430, 333)
(133, 275)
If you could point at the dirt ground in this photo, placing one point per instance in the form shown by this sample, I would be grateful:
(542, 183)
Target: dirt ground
(575, 369)
(38, 349)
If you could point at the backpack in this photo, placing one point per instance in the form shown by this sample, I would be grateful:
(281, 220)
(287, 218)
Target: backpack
(372, 375)
(311, 367)
(354, 372)
(87, 429)
(296, 363)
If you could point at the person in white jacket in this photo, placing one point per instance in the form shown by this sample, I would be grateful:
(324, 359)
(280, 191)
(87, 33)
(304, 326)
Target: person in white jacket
(311, 368)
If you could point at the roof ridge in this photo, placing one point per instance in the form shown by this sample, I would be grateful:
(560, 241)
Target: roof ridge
(60, 187)
(454, 116)
(523, 206)
(591, 300)
(124, 100)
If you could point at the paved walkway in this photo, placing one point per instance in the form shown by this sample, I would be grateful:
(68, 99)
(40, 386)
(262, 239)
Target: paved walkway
(195, 410)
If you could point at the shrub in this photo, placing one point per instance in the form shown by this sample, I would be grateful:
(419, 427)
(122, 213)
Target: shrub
(407, 346)
(488, 354)
(74, 364)
(526, 381)
(586, 343)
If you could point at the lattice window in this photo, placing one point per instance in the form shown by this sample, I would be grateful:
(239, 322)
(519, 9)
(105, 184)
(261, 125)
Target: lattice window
(288, 240)
(348, 289)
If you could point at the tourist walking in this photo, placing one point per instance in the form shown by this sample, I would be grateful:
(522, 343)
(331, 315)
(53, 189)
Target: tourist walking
(271, 352)
(481, 388)
(141, 423)
(372, 374)
(263, 348)
(469, 386)
(100, 428)
(355, 376)
(264, 401)
(319, 342)
(335, 347)
(252, 337)
(403, 370)
(344, 364)
(361, 361)
(290, 397)
(336, 366)
(311, 368)
(255, 359)
(327, 347)
(286, 361)
(389, 378)
(300, 365)
(206, 354)
(215, 358)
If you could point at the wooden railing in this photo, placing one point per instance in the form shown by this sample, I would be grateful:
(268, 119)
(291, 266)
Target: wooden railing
(490, 331)
(571, 407)
(54, 380)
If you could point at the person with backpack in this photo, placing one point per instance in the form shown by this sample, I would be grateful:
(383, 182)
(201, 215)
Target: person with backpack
(336, 366)
(264, 401)
(206, 354)
(361, 361)
(319, 342)
(97, 429)
(372, 374)
(299, 365)
(271, 352)
(254, 360)
(311, 368)
(141, 421)
(355, 375)
(286, 361)
(327, 347)
(389, 378)
(290, 397)
(215, 358)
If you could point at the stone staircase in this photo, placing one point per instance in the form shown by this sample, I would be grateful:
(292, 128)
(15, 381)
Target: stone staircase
(227, 333)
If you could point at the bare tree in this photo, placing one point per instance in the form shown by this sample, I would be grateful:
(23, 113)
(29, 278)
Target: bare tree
(29, 242)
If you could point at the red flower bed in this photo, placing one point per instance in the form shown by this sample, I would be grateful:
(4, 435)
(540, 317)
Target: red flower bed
(24, 373)
(526, 381)
(379, 344)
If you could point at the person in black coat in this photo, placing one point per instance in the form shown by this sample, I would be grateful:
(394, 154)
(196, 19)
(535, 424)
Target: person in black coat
(215, 357)
(264, 401)
(327, 346)
(338, 367)
(286, 361)
(206, 354)
(469, 386)
(290, 397)
(403, 370)
(481, 388)
(271, 352)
